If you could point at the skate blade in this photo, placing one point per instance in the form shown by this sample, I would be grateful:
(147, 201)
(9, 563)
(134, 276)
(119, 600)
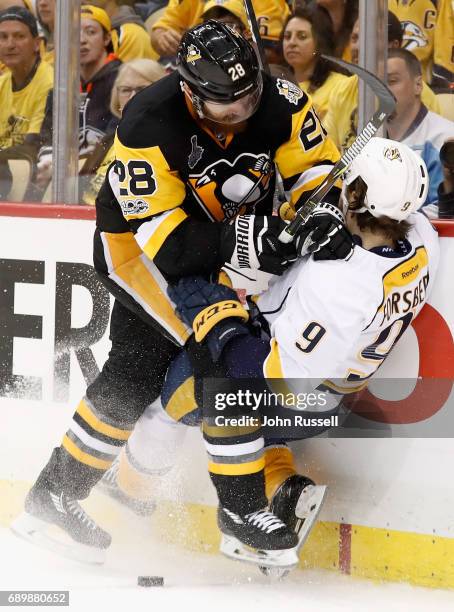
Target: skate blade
(36, 530)
(307, 510)
(285, 559)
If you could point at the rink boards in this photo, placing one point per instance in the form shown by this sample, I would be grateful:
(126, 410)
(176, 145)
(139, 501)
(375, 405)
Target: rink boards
(390, 510)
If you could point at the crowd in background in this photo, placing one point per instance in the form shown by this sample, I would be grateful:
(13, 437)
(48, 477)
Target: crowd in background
(125, 46)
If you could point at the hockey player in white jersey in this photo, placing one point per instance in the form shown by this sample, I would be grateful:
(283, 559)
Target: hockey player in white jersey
(332, 324)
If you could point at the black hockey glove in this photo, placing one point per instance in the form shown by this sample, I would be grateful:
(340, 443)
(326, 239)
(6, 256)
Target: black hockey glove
(253, 242)
(325, 235)
(212, 310)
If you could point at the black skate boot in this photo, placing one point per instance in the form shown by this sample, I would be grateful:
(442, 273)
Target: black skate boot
(297, 502)
(45, 509)
(259, 537)
(109, 486)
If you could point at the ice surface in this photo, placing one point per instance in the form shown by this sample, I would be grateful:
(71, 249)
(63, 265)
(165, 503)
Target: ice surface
(196, 581)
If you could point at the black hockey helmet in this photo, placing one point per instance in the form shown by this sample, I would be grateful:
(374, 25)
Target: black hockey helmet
(217, 63)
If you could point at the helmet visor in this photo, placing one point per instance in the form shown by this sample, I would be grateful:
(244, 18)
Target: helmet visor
(230, 113)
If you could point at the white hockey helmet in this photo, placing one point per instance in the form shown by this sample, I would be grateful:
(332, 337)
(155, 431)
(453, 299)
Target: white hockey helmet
(396, 177)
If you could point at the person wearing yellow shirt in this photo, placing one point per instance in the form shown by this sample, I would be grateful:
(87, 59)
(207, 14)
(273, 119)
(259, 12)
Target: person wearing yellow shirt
(418, 19)
(25, 87)
(180, 15)
(341, 120)
(307, 35)
(443, 66)
(129, 35)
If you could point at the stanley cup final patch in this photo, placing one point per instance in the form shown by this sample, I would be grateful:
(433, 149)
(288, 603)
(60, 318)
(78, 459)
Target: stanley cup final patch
(196, 153)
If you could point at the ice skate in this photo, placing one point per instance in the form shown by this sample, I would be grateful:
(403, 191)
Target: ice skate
(58, 523)
(259, 537)
(297, 502)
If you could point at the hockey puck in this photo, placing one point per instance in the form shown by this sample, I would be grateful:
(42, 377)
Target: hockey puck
(149, 581)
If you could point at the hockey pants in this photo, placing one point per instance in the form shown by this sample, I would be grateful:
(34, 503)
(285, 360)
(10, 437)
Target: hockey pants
(131, 379)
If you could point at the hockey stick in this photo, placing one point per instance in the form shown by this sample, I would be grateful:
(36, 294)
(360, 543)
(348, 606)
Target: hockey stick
(256, 36)
(386, 106)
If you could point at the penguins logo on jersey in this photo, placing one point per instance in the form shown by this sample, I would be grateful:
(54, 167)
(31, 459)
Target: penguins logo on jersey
(413, 36)
(290, 91)
(225, 189)
(392, 153)
(193, 54)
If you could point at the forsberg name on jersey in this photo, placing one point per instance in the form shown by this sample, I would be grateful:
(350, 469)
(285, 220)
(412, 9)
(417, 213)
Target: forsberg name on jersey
(400, 303)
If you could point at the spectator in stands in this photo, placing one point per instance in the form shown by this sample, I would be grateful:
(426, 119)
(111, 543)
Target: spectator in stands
(446, 188)
(183, 14)
(343, 14)
(307, 34)
(443, 56)
(98, 71)
(231, 13)
(418, 19)
(132, 78)
(412, 123)
(4, 4)
(341, 120)
(24, 89)
(129, 35)
(45, 10)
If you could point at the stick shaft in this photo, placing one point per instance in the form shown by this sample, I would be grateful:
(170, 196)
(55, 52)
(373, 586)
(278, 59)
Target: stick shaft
(256, 35)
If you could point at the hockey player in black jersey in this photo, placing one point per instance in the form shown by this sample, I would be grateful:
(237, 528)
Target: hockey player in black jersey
(192, 151)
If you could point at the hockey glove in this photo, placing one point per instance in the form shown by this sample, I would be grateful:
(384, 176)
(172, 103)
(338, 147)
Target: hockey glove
(253, 242)
(325, 235)
(212, 311)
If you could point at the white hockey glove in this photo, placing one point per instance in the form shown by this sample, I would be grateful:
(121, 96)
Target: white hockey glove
(253, 242)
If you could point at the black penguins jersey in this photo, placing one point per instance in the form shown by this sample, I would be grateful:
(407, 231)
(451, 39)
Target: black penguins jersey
(174, 180)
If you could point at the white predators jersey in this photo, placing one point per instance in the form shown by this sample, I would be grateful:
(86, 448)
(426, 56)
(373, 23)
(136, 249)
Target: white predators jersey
(336, 322)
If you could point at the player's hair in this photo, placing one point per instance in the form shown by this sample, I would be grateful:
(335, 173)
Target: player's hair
(390, 228)
(395, 31)
(148, 69)
(411, 61)
(323, 34)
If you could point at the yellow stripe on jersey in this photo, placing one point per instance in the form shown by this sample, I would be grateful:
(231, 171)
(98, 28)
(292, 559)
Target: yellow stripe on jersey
(237, 469)
(405, 273)
(182, 402)
(272, 366)
(122, 248)
(306, 149)
(147, 173)
(113, 432)
(145, 289)
(345, 390)
(127, 267)
(152, 234)
(82, 457)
